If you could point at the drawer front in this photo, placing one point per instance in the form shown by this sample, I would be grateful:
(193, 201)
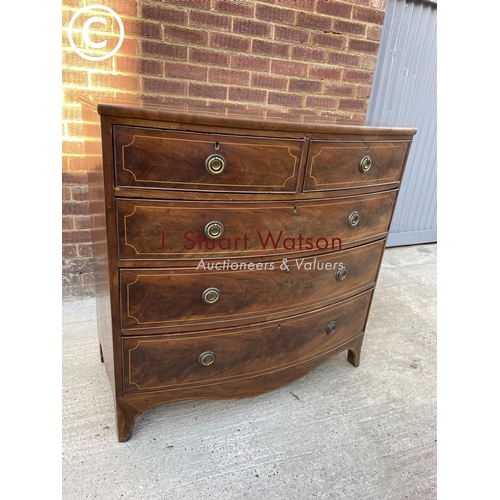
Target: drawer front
(236, 291)
(337, 165)
(174, 361)
(153, 230)
(205, 162)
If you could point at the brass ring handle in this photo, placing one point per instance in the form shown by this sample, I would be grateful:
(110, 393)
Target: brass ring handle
(341, 274)
(206, 358)
(331, 327)
(214, 230)
(215, 164)
(210, 295)
(353, 219)
(365, 164)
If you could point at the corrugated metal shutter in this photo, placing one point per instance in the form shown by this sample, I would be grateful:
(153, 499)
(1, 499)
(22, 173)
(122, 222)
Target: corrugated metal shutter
(404, 93)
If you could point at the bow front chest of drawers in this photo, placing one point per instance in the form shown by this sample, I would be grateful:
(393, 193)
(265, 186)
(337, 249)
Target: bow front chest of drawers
(234, 252)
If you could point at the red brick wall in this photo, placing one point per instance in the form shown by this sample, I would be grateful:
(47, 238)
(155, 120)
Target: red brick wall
(314, 55)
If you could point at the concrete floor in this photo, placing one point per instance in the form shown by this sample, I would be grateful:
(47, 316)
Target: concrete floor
(338, 433)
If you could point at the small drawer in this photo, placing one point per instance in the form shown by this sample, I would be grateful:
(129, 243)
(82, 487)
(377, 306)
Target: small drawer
(180, 361)
(174, 160)
(342, 165)
(154, 230)
(227, 292)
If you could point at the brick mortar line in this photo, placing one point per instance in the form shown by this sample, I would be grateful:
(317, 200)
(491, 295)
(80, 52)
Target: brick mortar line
(273, 25)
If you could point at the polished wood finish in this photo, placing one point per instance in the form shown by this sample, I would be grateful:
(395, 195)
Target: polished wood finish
(387, 161)
(173, 298)
(177, 160)
(235, 251)
(152, 230)
(170, 362)
(130, 406)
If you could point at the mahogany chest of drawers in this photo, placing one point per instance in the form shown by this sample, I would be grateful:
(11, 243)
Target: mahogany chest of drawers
(234, 251)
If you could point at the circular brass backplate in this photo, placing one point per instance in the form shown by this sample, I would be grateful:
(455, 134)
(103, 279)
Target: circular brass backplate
(210, 295)
(341, 274)
(365, 164)
(214, 230)
(353, 219)
(215, 164)
(206, 358)
(331, 327)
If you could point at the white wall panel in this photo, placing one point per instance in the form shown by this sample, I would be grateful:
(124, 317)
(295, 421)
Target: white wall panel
(404, 93)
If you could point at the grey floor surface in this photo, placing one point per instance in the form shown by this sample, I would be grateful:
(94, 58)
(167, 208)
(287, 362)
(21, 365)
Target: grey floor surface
(338, 433)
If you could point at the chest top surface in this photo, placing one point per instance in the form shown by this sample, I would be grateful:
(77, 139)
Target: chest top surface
(225, 116)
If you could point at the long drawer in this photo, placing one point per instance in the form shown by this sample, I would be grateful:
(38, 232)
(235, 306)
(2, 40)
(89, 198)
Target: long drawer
(177, 361)
(219, 293)
(173, 160)
(152, 230)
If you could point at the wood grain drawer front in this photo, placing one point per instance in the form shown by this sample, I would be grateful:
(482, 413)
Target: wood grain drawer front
(205, 162)
(170, 362)
(173, 230)
(338, 165)
(176, 299)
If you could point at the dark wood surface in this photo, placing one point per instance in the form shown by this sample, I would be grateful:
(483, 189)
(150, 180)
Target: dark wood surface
(173, 298)
(153, 230)
(176, 160)
(100, 244)
(171, 362)
(388, 159)
(128, 407)
(190, 115)
(284, 174)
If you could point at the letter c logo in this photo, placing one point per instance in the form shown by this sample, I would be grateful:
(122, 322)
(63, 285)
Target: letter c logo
(85, 32)
(86, 38)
